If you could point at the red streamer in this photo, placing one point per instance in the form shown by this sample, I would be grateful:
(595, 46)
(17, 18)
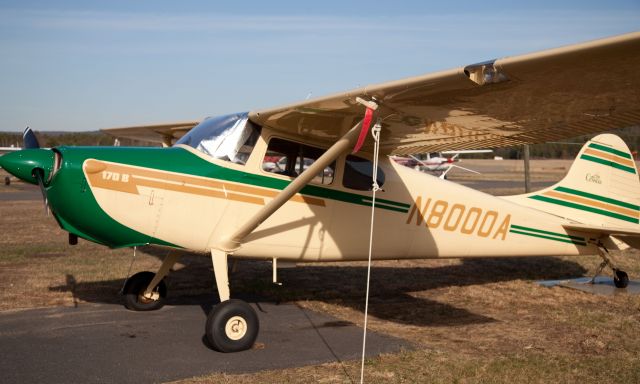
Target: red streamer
(366, 123)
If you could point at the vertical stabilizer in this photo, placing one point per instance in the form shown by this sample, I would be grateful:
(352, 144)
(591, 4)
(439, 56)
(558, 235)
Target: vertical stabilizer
(601, 188)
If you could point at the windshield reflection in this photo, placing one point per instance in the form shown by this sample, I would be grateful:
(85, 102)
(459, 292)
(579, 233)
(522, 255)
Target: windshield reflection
(229, 137)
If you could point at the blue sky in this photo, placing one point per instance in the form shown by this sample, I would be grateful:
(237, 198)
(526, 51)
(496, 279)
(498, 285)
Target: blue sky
(80, 65)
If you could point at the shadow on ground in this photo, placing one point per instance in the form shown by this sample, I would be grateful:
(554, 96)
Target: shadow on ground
(343, 285)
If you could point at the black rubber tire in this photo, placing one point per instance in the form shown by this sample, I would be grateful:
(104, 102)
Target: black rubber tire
(620, 279)
(136, 286)
(217, 322)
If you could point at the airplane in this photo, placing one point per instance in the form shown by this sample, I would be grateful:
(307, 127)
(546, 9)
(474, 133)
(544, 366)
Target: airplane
(209, 193)
(441, 165)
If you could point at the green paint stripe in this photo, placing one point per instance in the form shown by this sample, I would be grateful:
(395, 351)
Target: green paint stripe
(626, 155)
(547, 237)
(546, 232)
(179, 160)
(394, 204)
(312, 190)
(585, 208)
(608, 162)
(384, 206)
(597, 197)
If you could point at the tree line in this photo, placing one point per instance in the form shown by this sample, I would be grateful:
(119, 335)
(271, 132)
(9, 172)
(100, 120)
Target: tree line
(54, 139)
(566, 149)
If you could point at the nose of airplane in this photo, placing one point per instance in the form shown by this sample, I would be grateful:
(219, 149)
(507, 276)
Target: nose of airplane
(22, 164)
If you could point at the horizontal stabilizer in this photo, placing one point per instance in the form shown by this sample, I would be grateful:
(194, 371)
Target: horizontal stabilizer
(602, 230)
(631, 236)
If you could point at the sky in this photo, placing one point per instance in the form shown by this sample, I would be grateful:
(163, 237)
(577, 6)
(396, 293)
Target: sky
(83, 65)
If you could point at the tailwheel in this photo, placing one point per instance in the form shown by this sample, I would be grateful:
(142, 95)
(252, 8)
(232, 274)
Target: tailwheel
(232, 326)
(620, 278)
(134, 297)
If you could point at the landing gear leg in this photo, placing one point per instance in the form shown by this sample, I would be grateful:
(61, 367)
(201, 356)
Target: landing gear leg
(620, 277)
(232, 325)
(146, 291)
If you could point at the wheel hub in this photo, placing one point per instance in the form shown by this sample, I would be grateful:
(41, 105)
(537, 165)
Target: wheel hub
(149, 298)
(236, 328)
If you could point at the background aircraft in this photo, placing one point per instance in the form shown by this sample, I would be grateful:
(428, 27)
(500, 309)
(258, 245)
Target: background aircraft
(438, 164)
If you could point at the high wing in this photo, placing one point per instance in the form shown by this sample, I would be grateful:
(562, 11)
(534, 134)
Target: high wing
(537, 97)
(163, 134)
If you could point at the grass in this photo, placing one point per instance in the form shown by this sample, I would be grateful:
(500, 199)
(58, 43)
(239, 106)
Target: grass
(471, 321)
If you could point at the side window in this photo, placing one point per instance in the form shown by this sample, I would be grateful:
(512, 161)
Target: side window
(289, 158)
(357, 174)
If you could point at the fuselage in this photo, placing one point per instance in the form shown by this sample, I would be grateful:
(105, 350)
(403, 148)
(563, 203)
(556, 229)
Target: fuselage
(180, 197)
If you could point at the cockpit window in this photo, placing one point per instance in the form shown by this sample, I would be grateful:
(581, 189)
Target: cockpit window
(230, 137)
(358, 174)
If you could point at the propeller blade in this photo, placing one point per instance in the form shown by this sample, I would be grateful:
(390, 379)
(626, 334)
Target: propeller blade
(29, 139)
(40, 177)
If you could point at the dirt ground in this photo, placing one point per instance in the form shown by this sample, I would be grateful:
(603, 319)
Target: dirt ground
(471, 320)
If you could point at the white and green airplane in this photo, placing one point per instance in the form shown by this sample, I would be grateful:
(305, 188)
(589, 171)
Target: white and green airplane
(209, 192)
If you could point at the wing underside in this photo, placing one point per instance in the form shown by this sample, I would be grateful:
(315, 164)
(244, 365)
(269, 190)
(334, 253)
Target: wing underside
(544, 96)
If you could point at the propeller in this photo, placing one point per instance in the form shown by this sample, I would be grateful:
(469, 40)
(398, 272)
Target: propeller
(39, 175)
(30, 141)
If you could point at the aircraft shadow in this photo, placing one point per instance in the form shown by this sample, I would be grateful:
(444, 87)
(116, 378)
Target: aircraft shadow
(342, 285)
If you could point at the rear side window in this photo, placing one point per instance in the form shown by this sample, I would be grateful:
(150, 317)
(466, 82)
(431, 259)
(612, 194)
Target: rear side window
(289, 158)
(358, 174)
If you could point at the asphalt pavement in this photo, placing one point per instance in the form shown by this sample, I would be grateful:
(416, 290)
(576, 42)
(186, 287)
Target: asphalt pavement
(105, 343)
(19, 191)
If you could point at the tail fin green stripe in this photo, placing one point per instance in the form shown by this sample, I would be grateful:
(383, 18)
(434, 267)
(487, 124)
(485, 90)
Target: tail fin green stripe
(585, 208)
(599, 198)
(626, 155)
(609, 163)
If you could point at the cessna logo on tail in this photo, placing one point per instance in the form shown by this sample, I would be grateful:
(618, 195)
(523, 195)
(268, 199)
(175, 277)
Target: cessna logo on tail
(593, 178)
(457, 217)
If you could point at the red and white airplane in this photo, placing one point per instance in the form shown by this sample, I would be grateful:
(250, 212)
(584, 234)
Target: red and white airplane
(438, 164)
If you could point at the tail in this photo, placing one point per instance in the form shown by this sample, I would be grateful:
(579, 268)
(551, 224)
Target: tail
(601, 190)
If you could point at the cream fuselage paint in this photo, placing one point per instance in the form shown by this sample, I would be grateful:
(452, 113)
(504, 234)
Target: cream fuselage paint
(444, 219)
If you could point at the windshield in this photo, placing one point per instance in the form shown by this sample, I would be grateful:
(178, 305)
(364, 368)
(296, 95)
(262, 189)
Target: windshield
(229, 137)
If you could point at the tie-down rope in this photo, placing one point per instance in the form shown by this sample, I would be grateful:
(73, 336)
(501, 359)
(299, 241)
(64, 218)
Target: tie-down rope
(375, 132)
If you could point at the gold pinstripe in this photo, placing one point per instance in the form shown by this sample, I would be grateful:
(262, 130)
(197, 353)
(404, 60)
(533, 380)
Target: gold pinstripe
(180, 183)
(609, 156)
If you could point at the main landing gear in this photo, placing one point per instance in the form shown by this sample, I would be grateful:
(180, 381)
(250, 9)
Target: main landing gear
(232, 325)
(620, 277)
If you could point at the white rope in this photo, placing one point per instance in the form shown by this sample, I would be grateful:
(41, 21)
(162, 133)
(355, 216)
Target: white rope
(375, 132)
(129, 272)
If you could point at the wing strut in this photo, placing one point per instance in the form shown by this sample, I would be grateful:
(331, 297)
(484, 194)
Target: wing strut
(341, 146)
